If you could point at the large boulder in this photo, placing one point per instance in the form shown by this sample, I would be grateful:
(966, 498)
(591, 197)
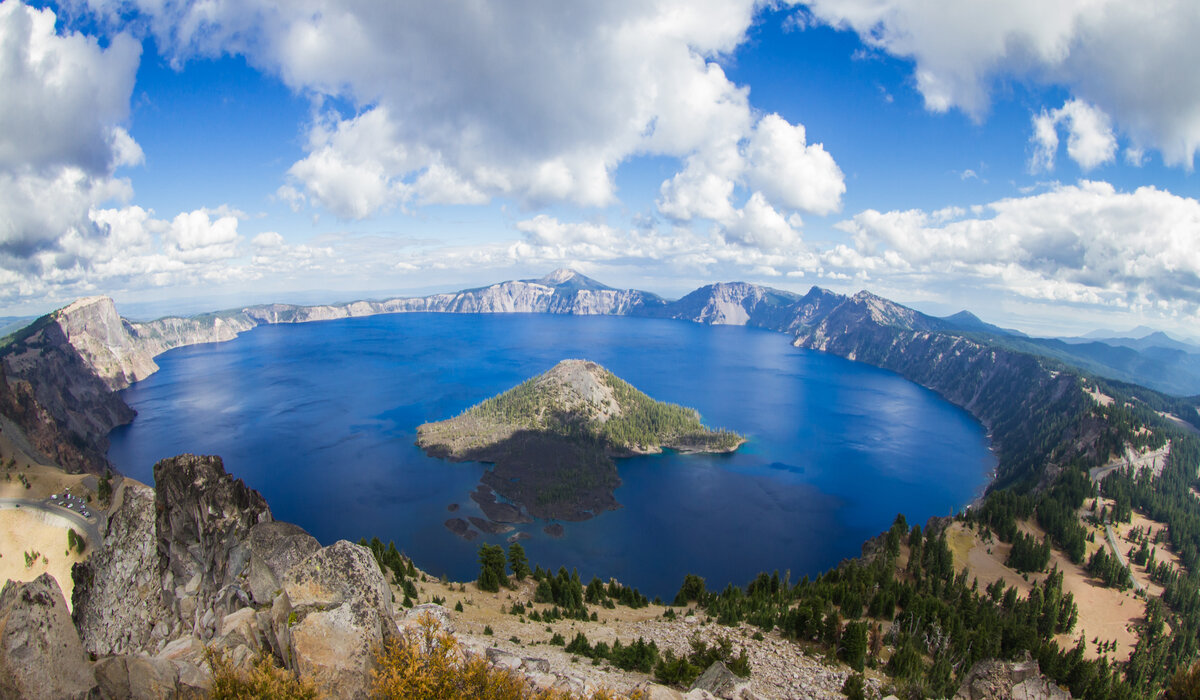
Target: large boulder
(1001, 680)
(150, 678)
(117, 601)
(40, 652)
(276, 547)
(137, 677)
(203, 527)
(720, 681)
(339, 613)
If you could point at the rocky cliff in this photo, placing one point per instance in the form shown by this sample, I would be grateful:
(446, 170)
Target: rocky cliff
(203, 523)
(55, 395)
(200, 563)
(124, 567)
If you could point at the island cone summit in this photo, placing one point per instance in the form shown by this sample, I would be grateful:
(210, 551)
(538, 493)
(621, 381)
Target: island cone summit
(552, 439)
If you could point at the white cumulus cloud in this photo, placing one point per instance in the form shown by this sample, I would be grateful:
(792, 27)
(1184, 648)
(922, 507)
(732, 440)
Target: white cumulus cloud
(791, 172)
(1090, 141)
(458, 103)
(1127, 59)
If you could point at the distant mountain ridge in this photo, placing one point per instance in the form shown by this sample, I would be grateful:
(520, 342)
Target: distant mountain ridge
(1009, 382)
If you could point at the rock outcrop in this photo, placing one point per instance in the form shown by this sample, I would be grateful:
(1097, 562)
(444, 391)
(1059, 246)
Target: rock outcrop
(57, 398)
(200, 563)
(276, 547)
(341, 606)
(40, 652)
(117, 600)
(1008, 680)
(204, 518)
(718, 680)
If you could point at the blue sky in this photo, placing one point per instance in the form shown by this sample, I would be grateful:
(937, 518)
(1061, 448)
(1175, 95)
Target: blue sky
(1033, 164)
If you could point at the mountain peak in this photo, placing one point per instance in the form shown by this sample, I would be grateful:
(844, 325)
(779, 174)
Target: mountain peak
(964, 316)
(565, 277)
(559, 276)
(581, 386)
(85, 302)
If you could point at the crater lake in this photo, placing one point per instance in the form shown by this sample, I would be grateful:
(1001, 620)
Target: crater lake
(321, 418)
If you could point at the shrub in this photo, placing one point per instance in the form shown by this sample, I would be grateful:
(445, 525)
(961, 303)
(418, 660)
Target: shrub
(428, 663)
(1184, 684)
(854, 688)
(263, 680)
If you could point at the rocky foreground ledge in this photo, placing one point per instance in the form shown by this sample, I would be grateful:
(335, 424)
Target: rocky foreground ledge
(201, 565)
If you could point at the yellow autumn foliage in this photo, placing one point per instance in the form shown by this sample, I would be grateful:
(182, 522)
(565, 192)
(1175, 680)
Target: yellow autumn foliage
(263, 680)
(428, 663)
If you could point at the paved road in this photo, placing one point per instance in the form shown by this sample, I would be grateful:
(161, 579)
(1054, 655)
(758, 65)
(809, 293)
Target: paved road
(1098, 473)
(1112, 543)
(90, 526)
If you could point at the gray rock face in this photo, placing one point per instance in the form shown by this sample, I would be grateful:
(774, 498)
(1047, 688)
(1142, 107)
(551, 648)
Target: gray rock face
(40, 652)
(148, 678)
(440, 614)
(1000, 680)
(276, 547)
(102, 338)
(720, 681)
(117, 601)
(343, 612)
(203, 523)
(57, 398)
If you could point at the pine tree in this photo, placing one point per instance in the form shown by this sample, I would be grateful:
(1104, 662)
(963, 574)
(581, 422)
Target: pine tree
(518, 562)
(491, 572)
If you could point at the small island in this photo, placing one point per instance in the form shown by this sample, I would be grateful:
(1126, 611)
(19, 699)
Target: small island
(552, 441)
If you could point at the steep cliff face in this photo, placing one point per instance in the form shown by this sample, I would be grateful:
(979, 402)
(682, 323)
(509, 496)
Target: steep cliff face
(61, 402)
(1019, 400)
(102, 338)
(203, 524)
(156, 337)
(734, 304)
(117, 602)
(744, 304)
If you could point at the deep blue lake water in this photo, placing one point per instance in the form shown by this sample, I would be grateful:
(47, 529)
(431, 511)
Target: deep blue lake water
(322, 417)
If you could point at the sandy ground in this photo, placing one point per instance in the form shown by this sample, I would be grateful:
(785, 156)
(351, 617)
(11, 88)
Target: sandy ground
(1161, 552)
(1179, 422)
(22, 531)
(29, 530)
(1098, 397)
(44, 479)
(1104, 613)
